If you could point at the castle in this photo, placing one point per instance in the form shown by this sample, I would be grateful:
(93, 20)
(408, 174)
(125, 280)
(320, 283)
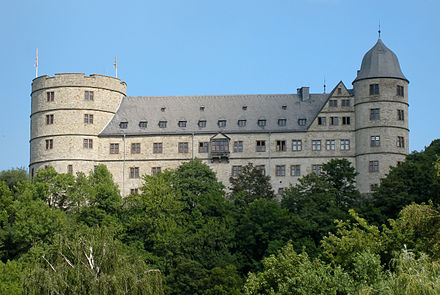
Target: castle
(78, 122)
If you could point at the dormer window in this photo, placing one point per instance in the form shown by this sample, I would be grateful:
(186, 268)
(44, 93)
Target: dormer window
(261, 122)
(241, 123)
(221, 123)
(162, 109)
(202, 108)
(302, 122)
(282, 122)
(143, 124)
(284, 107)
(244, 108)
(181, 124)
(202, 123)
(123, 125)
(162, 124)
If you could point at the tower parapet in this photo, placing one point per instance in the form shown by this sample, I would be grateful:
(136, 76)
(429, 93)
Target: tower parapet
(68, 112)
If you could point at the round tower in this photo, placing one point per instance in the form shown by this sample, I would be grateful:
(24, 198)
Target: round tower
(381, 108)
(67, 114)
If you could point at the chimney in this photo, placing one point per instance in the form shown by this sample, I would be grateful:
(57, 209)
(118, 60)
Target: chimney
(303, 93)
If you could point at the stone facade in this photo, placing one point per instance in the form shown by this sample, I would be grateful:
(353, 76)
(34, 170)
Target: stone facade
(70, 113)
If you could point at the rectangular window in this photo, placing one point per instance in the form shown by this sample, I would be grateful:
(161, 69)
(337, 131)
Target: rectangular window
(400, 115)
(88, 95)
(155, 170)
(70, 169)
(281, 146)
(375, 141)
(261, 123)
(280, 170)
(333, 103)
(317, 169)
(400, 90)
(135, 148)
(221, 123)
(88, 119)
(261, 145)
(88, 143)
(374, 89)
(162, 124)
(322, 121)
(203, 147)
(49, 119)
(302, 122)
(238, 146)
(157, 147)
(143, 124)
(316, 145)
(49, 144)
(241, 123)
(339, 90)
(330, 144)
(123, 125)
(296, 145)
(183, 147)
(373, 187)
(295, 170)
(50, 96)
(345, 144)
(280, 190)
(261, 168)
(346, 120)
(282, 122)
(114, 148)
(220, 145)
(374, 114)
(202, 123)
(134, 172)
(334, 121)
(374, 166)
(134, 191)
(400, 141)
(236, 170)
(345, 103)
(181, 124)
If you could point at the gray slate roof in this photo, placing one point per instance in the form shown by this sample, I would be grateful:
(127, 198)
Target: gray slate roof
(216, 107)
(380, 62)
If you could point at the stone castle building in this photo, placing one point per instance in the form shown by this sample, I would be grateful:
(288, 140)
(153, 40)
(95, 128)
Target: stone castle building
(79, 121)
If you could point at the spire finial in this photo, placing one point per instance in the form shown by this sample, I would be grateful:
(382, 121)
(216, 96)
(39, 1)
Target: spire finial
(324, 85)
(379, 31)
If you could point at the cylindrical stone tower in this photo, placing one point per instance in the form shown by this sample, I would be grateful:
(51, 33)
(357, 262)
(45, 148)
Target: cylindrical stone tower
(381, 107)
(68, 112)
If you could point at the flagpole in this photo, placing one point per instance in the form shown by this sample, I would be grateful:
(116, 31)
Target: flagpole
(116, 66)
(36, 65)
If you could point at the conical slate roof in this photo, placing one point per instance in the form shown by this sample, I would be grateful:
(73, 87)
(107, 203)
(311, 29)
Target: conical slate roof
(380, 62)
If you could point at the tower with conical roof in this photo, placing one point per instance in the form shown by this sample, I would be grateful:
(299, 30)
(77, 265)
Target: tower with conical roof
(381, 111)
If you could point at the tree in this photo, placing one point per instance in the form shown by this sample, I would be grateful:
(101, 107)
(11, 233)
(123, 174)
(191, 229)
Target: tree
(250, 185)
(415, 180)
(14, 177)
(263, 229)
(93, 262)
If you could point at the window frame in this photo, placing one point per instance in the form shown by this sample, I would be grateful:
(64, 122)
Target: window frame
(238, 146)
(316, 145)
(295, 170)
(280, 170)
(157, 147)
(260, 146)
(183, 147)
(374, 89)
(114, 148)
(296, 145)
(135, 148)
(203, 147)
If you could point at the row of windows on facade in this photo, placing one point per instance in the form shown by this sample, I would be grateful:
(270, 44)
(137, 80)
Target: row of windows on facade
(223, 145)
(375, 90)
(88, 95)
(375, 114)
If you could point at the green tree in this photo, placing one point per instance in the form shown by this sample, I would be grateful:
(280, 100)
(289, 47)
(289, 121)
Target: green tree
(93, 262)
(14, 177)
(10, 278)
(250, 185)
(414, 180)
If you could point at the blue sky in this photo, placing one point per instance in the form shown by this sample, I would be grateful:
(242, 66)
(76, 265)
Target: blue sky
(190, 47)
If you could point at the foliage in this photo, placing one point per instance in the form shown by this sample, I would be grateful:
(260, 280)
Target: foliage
(90, 263)
(292, 273)
(10, 277)
(14, 177)
(250, 185)
(415, 180)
